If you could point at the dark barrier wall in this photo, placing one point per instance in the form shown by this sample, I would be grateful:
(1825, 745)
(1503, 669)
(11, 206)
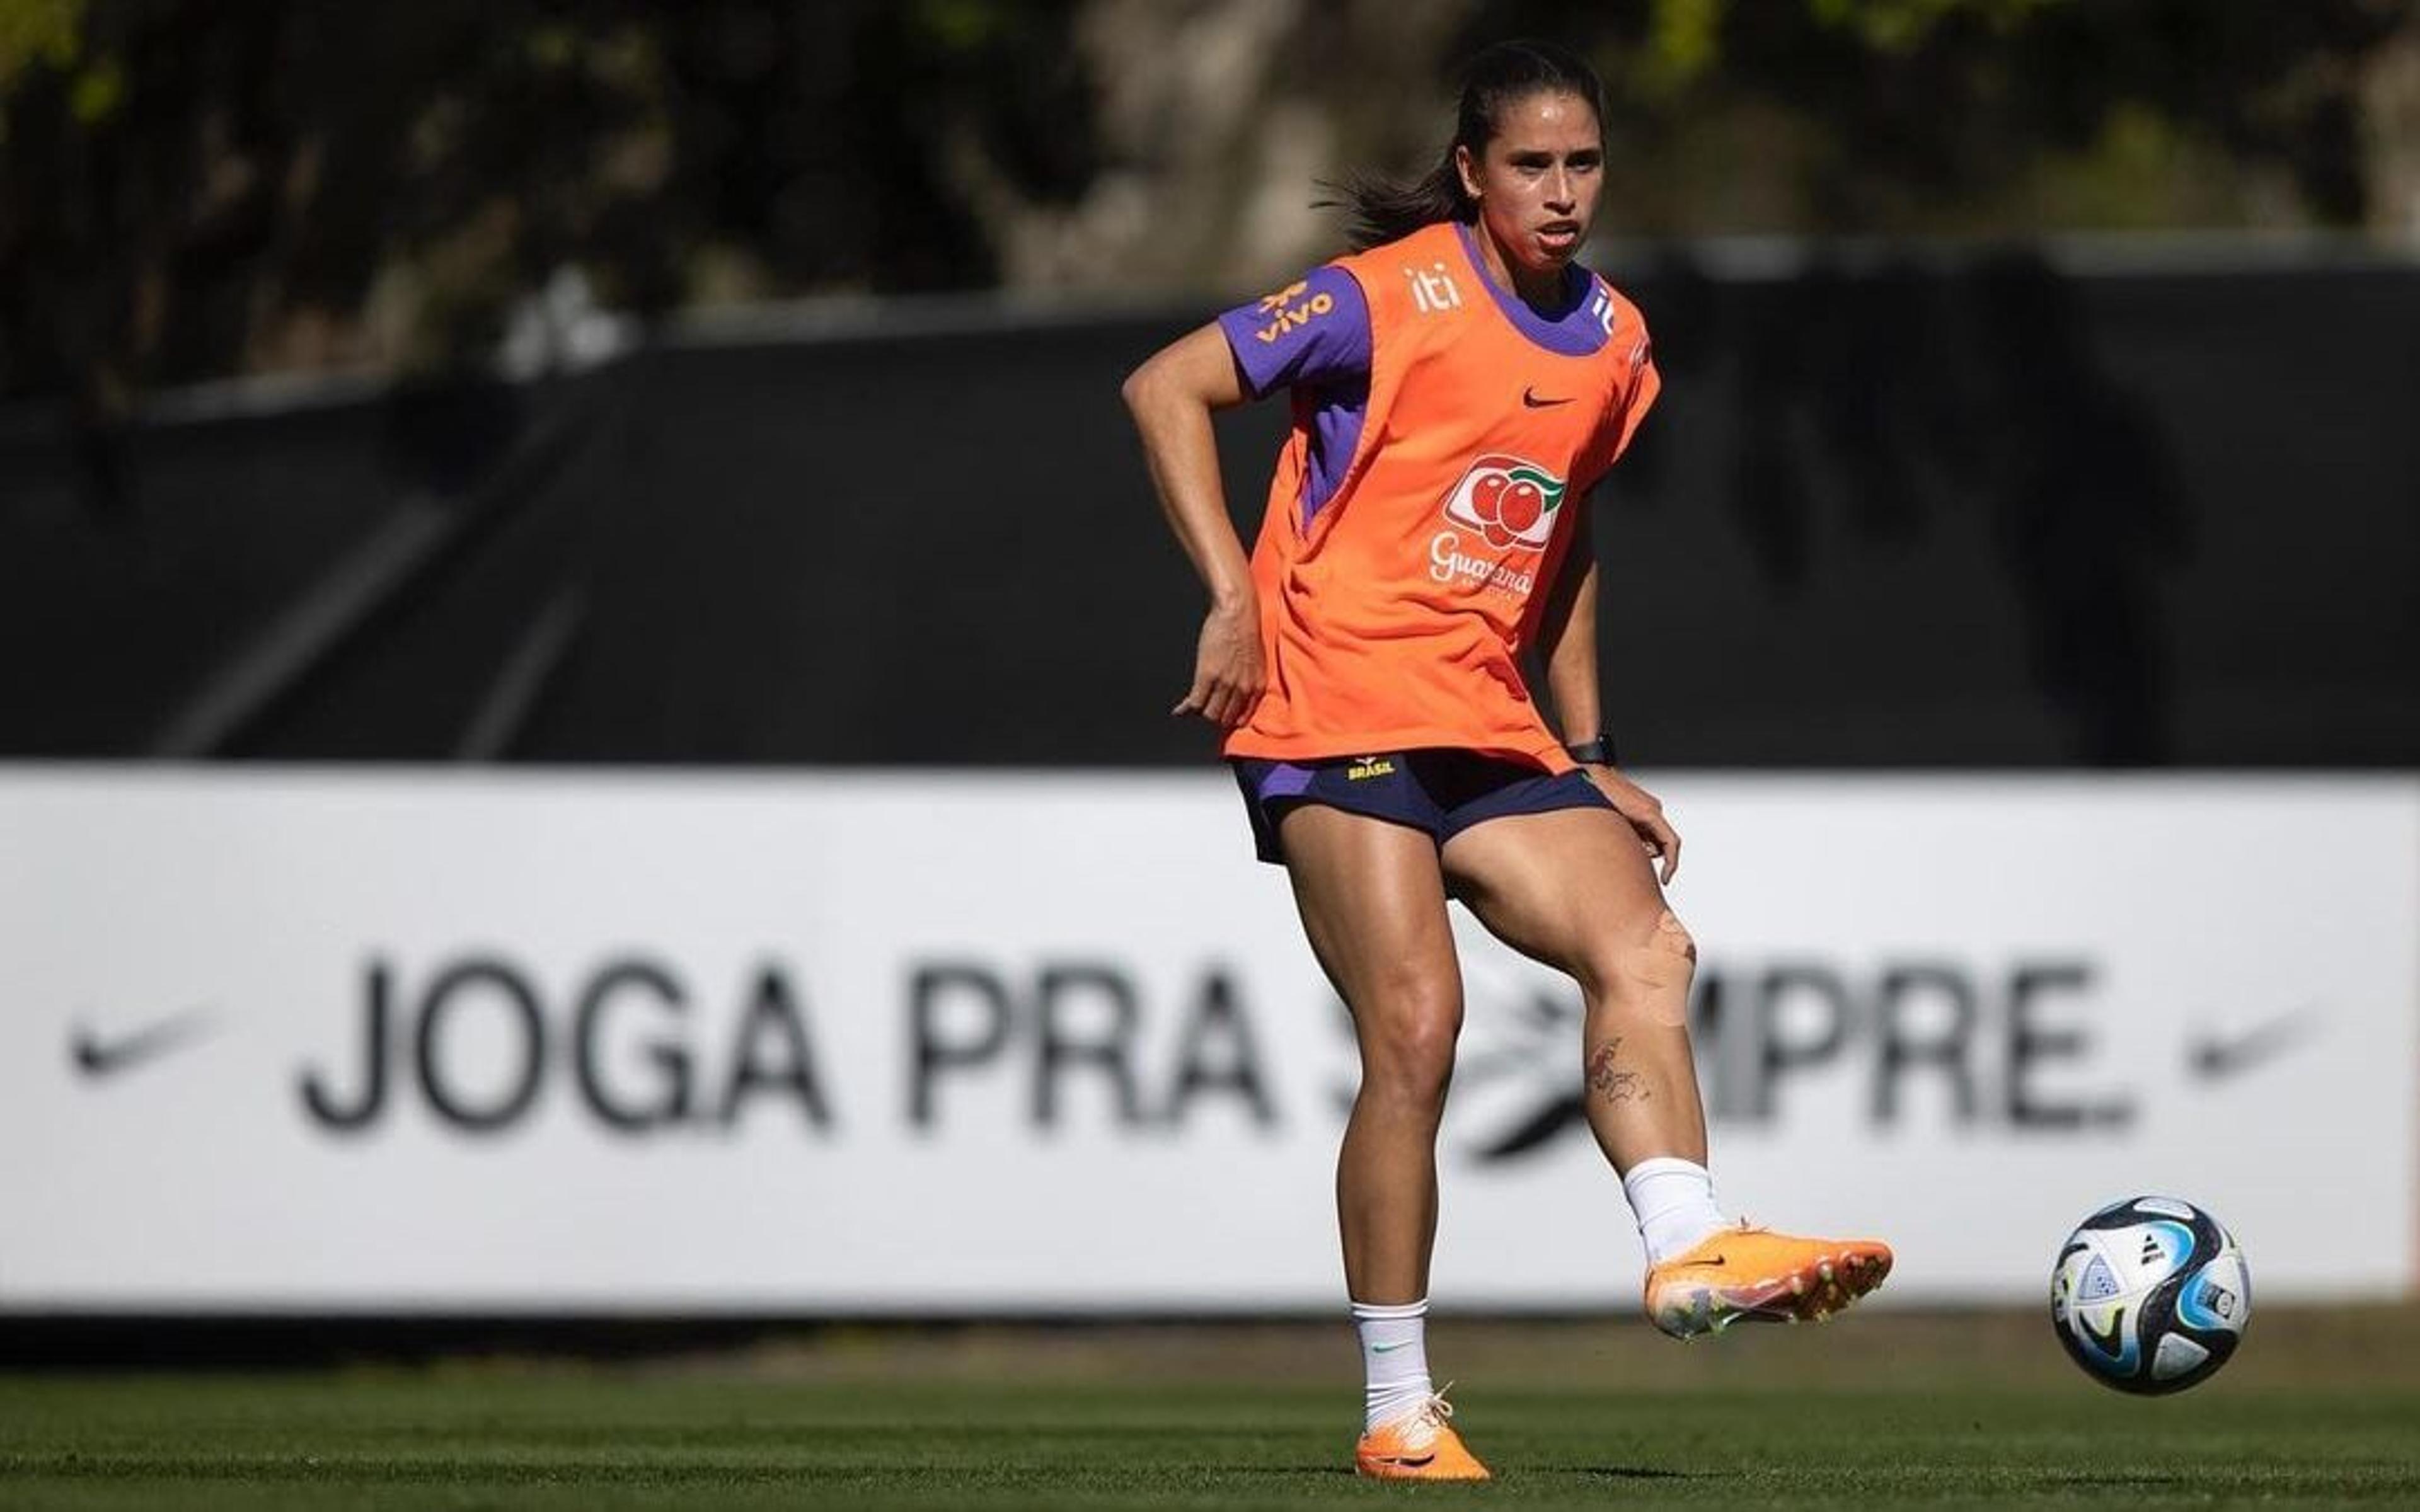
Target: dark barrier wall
(1938, 512)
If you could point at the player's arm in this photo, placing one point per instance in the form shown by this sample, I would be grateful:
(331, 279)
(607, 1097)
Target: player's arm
(1172, 398)
(1567, 634)
(1567, 642)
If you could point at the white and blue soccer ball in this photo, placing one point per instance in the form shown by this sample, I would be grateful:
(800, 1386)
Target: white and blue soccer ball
(2150, 1295)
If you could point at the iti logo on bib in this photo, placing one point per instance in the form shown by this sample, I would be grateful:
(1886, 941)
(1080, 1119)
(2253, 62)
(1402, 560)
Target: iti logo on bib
(1510, 502)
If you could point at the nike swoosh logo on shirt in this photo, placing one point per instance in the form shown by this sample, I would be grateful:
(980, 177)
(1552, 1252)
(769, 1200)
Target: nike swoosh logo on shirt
(1530, 397)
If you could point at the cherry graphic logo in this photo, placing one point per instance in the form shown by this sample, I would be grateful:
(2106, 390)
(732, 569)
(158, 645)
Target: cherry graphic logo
(1487, 493)
(1510, 500)
(1524, 501)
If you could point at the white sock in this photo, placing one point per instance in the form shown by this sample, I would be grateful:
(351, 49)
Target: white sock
(1674, 1202)
(1394, 1358)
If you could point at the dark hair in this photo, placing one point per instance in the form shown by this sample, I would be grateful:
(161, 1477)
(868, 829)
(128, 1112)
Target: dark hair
(1494, 80)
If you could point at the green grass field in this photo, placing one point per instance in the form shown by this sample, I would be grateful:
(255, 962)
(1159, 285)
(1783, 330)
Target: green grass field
(2321, 1407)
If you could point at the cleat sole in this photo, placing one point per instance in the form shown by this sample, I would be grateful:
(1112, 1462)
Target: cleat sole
(1811, 1293)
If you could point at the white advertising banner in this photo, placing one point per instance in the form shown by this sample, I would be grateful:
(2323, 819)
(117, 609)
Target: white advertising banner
(396, 1041)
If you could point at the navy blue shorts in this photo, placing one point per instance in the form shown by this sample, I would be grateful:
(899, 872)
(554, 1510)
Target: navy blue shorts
(1441, 793)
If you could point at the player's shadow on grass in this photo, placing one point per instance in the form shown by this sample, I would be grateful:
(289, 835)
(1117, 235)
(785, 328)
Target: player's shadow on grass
(1600, 1471)
(2061, 1479)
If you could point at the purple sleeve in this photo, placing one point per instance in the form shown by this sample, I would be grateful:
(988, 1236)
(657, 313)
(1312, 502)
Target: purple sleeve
(1314, 333)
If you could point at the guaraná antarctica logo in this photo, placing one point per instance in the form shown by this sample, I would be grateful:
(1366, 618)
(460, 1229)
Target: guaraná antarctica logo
(1509, 500)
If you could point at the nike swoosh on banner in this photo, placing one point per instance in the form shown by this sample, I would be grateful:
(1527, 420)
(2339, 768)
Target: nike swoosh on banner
(2212, 1056)
(97, 1057)
(1538, 1129)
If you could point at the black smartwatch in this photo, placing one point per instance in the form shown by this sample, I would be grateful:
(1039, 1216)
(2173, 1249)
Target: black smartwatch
(1597, 751)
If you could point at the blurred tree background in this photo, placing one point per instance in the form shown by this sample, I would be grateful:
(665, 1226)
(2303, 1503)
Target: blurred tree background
(191, 188)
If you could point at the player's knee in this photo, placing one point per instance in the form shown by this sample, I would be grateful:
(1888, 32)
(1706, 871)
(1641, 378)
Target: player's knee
(1651, 978)
(1407, 1053)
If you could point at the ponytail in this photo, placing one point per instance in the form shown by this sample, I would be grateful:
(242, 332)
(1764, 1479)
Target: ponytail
(1381, 208)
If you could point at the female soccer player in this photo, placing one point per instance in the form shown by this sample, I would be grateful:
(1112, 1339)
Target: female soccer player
(1459, 384)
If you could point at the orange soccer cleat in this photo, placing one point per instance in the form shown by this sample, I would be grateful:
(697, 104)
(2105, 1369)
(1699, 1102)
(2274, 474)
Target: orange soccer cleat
(1757, 1273)
(1420, 1447)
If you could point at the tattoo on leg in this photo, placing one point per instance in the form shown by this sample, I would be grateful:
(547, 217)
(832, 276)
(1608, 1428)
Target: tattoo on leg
(1611, 1082)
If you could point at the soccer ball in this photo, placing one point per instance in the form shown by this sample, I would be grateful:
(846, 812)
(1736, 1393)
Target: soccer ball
(2150, 1295)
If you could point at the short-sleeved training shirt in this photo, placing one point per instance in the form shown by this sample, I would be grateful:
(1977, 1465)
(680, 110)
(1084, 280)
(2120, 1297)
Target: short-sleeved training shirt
(1444, 432)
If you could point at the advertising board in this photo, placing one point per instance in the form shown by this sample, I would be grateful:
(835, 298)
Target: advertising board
(831, 1043)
